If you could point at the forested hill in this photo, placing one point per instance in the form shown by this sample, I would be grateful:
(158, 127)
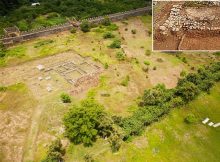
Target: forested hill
(51, 12)
(78, 8)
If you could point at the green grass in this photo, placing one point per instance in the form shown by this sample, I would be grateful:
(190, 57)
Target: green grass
(16, 97)
(171, 139)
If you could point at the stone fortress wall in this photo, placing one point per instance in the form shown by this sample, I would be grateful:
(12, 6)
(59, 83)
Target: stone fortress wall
(28, 35)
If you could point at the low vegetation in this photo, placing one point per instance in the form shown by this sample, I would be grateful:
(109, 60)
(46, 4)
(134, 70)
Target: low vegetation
(55, 152)
(158, 101)
(115, 44)
(65, 98)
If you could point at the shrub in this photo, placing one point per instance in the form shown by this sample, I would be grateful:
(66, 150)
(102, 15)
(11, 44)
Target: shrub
(106, 21)
(23, 25)
(187, 90)
(73, 30)
(55, 152)
(42, 43)
(146, 62)
(120, 56)
(183, 73)
(190, 119)
(3, 89)
(115, 44)
(147, 52)
(115, 142)
(145, 69)
(156, 96)
(88, 158)
(154, 68)
(125, 81)
(106, 66)
(133, 31)
(108, 35)
(2, 50)
(85, 26)
(65, 98)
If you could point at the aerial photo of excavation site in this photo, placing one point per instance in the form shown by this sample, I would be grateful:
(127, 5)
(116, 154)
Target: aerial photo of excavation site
(186, 25)
(79, 82)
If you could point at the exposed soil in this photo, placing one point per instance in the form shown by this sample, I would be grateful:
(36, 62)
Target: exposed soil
(203, 37)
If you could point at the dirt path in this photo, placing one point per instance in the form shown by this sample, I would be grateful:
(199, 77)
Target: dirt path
(32, 136)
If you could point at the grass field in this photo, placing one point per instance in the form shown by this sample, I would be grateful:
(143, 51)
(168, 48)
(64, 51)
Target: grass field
(169, 139)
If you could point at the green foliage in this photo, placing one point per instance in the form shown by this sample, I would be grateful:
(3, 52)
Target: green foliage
(73, 30)
(65, 98)
(217, 53)
(55, 152)
(112, 27)
(183, 73)
(88, 158)
(125, 81)
(3, 89)
(147, 52)
(120, 56)
(55, 12)
(106, 66)
(146, 62)
(187, 90)
(115, 44)
(85, 122)
(115, 142)
(108, 35)
(2, 51)
(85, 26)
(190, 119)
(23, 25)
(158, 101)
(106, 21)
(133, 31)
(156, 96)
(42, 43)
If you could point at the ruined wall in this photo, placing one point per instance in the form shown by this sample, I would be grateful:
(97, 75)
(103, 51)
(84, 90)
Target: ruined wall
(25, 36)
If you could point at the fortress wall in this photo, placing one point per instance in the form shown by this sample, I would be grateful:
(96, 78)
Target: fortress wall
(28, 35)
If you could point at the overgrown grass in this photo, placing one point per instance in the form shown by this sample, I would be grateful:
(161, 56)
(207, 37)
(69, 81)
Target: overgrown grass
(168, 139)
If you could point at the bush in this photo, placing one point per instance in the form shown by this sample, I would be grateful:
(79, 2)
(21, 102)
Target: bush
(120, 56)
(190, 119)
(106, 21)
(85, 122)
(133, 31)
(88, 158)
(2, 50)
(154, 68)
(115, 44)
(147, 52)
(108, 35)
(3, 89)
(156, 96)
(125, 81)
(65, 98)
(23, 25)
(73, 30)
(183, 73)
(146, 62)
(85, 26)
(106, 66)
(188, 91)
(55, 152)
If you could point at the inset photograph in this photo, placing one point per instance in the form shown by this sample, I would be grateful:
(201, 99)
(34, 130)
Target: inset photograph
(186, 25)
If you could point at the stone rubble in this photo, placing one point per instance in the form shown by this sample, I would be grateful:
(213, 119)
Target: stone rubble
(178, 21)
